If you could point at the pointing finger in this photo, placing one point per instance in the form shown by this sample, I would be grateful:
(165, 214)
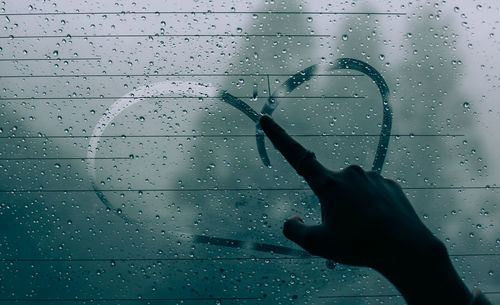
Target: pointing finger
(302, 160)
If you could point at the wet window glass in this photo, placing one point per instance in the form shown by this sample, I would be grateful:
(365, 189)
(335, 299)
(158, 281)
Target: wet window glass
(133, 172)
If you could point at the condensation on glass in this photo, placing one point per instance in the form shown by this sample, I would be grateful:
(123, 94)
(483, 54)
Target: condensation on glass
(133, 172)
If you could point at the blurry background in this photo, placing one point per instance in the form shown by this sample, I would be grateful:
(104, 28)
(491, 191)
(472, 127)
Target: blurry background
(179, 160)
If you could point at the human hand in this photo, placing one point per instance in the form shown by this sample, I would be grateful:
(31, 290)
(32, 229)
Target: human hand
(366, 219)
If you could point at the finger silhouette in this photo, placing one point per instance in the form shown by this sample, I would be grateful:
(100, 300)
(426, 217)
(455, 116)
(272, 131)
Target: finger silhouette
(311, 238)
(302, 160)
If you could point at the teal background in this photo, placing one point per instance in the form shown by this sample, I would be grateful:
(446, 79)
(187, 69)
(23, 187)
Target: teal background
(185, 162)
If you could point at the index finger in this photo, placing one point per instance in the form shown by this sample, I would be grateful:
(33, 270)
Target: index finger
(302, 160)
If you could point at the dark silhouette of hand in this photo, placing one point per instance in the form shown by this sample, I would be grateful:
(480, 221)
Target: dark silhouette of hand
(368, 221)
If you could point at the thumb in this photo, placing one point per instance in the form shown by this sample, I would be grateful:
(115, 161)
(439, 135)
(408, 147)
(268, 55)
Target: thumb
(308, 237)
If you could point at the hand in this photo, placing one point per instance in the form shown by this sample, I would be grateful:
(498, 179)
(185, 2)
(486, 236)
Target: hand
(368, 221)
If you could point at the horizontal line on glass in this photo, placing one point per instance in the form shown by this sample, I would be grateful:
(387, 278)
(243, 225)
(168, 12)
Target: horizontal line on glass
(155, 259)
(36, 59)
(195, 259)
(486, 187)
(64, 158)
(165, 97)
(226, 136)
(358, 296)
(69, 36)
(202, 12)
(141, 299)
(379, 295)
(177, 75)
(137, 299)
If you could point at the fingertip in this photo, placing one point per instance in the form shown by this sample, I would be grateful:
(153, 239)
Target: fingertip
(264, 116)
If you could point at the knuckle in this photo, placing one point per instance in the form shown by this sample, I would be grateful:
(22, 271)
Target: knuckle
(373, 174)
(393, 183)
(354, 171)
(355, 168)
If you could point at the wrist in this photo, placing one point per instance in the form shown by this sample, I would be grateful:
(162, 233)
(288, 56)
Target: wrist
(427, 276)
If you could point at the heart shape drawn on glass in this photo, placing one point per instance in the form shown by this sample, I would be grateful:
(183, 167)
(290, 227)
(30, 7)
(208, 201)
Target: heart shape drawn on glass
(182, 87)
(305, 75)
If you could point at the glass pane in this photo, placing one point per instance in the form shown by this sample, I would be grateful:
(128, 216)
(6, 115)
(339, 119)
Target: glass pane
(127, 177)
